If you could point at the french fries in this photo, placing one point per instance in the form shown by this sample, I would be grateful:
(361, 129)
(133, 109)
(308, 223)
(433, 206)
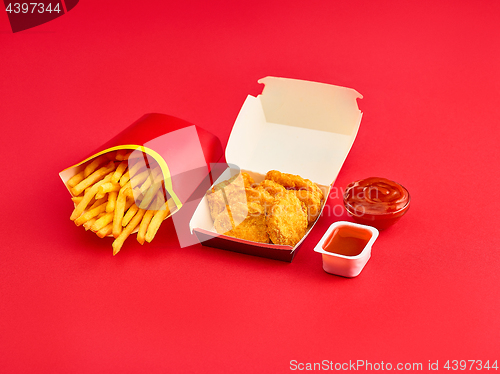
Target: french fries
(112, 199)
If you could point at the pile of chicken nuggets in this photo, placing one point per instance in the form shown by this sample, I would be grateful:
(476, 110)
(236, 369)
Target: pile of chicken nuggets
(277, 210)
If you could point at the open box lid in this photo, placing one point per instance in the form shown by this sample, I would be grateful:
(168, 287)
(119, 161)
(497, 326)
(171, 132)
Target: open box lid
(297, 127)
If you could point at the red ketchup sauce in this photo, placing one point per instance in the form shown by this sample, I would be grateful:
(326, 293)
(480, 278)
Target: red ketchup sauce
(378, 202)
(347, 241)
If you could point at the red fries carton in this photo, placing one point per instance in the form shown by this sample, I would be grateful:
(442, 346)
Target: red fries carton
(174, 153)
(297, 127)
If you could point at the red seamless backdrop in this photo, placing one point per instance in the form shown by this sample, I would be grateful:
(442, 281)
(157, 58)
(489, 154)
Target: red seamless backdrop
(428, 71)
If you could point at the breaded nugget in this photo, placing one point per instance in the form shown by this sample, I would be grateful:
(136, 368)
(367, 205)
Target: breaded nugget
(235, 184)
(277, 210)
(286, 220)
(260, 196)
(312, 202)
(243, 221)
(247, 180)
(293, 182)
(271, 187)
(216, 203)
(307, 192)
(227, 192)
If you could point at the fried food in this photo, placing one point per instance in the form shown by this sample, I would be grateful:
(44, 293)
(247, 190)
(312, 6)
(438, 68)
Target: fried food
(93, 178)
(77, 178)
(278, 210)
(244, 222)
(158, 217)
(112, 199)
(270, 187)
(216, 203)
(287, 220)
(247, 180)
(307, 191)
(90, 168)
(260, 196)
(312, 202)
(227, 192)
(118, 242)
(292, 182)
(143, 228)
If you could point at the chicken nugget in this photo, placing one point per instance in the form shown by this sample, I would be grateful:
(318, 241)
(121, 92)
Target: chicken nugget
(216, 203)
(293, 182)
(312, 202)
(271, 187)
(247, 180)
(287, 219)
(227, 192)
(260, 196)
(244, 222)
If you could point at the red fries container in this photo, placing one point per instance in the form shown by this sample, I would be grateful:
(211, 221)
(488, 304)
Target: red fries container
(181, 150)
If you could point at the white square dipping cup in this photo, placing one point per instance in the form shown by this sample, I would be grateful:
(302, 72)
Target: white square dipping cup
(345, 265)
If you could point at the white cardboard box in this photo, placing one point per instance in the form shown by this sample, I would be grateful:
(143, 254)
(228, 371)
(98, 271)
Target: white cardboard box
(295, 126)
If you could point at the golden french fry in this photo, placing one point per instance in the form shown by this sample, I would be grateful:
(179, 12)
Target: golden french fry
(94, 212)
(105, 193)
(93, 178)
(128, 192)
(106, 188)
(136, 167)
(124, 178)
(119, 211)
(87, 198)
(98, 202)
(90, 168)
(155, 223)
(109, 187)
(87, 225)
(77, 199)
(143, 227)
(105, 231)
(128, 206)
(101, 222)
(99, 196)
(136, 180)
(152, 178)
(111, 201)
(74, 180)
(150, 195)
(129, 215)
(118, 242)
(119, 172)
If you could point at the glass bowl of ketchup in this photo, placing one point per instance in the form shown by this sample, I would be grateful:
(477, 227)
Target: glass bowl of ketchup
(377, 202)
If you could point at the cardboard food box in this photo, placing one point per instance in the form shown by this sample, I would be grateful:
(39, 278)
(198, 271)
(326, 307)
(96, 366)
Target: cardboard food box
(295, 126)
(182, 151)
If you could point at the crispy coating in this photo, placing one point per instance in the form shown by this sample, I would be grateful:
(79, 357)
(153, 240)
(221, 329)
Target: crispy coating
(235, 184)
(227, 192)
(287, 220)
(278, 210)
(243, 221)
(260, 196)
(271, 187)
(216, 203)
(293, 182)
(247, 180)
(312, 202)
(307, 192)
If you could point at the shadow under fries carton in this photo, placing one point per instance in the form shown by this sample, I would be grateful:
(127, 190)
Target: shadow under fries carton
(296, 127)
(161, 160)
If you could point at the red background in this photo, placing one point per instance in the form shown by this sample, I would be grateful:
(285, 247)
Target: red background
(429, 74)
